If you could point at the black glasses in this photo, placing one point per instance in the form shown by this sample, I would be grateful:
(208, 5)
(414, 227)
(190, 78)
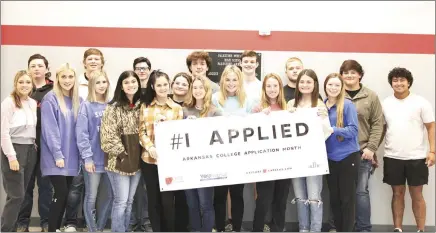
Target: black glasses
(142, 68)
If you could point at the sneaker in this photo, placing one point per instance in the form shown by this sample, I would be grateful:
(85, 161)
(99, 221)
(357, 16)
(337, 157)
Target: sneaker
(420, 231)
(57, 230)
(22, 229)
(266, 228)
(398, 230)
(229, 227)
(44, 229)
(70, 228)
(213, 230)
(332, 230)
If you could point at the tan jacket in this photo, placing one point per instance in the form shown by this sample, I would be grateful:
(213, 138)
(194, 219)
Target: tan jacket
(147, 118)
(370, 115)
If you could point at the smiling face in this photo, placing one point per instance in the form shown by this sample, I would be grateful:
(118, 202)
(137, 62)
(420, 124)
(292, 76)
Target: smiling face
(180, 86)
(231, 83)
(67, 79)
(93, 62)
(333, 87)
(351, 78)
(400, 85)
(162, 87)
(198, 90)
(130, 86)
(306, 85)
(101, 85)
(272, 88)
(24, 85)
(249, 65)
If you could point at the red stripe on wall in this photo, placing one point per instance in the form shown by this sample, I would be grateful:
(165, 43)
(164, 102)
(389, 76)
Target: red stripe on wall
(217, 39)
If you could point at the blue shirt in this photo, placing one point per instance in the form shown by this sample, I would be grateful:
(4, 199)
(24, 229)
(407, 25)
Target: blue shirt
(339, 150)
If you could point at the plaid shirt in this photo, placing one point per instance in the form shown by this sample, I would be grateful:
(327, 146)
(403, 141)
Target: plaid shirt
(148, 116)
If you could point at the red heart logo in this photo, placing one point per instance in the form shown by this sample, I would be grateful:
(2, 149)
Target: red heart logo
(264, 170)
(168, 180)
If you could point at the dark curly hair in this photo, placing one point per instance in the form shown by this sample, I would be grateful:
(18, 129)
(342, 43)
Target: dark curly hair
(399, 72)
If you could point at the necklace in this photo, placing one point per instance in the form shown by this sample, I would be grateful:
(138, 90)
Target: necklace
(199, 108)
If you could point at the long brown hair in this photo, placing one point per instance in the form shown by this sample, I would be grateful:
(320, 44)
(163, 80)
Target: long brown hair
(310, 73)
(265, 102)
(339, 100)
(14, 94)
(207, 105)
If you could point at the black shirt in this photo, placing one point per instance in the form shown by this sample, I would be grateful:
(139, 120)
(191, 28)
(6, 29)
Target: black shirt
(289, 93)
(354, 93)
(172, 97)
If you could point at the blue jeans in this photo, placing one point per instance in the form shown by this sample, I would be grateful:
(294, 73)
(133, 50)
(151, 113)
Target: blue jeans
(75, 196)
(45, 193)
(363, 203)
(200, 204)
(309, 202)
(139, 214)
(124, 188)
(94, 181)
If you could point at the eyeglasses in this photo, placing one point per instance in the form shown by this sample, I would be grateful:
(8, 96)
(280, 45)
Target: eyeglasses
(142, 68)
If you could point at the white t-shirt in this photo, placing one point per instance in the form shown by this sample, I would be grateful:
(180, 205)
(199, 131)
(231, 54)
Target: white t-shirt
(405, 138)
(253, 89)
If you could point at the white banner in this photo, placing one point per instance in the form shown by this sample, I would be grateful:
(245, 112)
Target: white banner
(216, 151)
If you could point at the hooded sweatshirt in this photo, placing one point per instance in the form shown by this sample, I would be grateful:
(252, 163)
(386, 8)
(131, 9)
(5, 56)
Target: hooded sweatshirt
(58, 137)
(88, 133)
(38, 94)
(17, 125)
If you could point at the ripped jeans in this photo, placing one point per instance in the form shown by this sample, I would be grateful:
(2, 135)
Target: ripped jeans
(309, 204)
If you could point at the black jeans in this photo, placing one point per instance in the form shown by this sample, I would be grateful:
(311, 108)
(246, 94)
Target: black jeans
(269, 193)
(61, 185)
(75, 199)
(15, 183)
(161, 207)
(45, 193)
(342, 186)
(219, 203)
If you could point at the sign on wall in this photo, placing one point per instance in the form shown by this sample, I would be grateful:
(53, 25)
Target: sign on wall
(239, 150)
(221, 59)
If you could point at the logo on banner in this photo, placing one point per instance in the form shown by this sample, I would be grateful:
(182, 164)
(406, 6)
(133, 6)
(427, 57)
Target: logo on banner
(172, 180)
(314, 165)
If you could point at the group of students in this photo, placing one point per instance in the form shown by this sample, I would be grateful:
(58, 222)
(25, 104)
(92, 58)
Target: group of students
(74, 125)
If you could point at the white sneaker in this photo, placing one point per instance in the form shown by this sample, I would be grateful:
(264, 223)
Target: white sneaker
(70, 229)
(57, 230)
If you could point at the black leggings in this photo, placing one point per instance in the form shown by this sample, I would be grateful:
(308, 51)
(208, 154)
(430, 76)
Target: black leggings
(61, 185)
(220, 198)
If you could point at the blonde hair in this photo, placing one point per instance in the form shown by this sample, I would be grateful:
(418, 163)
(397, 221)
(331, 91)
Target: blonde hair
(91, 85)
(265, 101)
(207, 105)
(14, 94)
(339, 100)
(291, 59)
(74, 92)
(240, 92)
